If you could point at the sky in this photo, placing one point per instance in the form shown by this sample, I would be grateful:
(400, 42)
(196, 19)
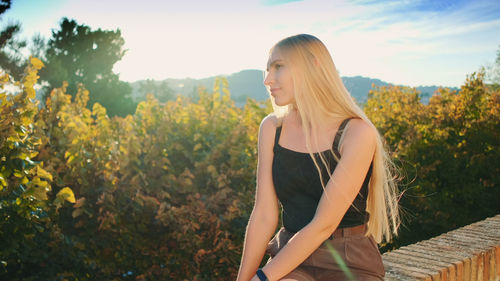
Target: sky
(405, 42)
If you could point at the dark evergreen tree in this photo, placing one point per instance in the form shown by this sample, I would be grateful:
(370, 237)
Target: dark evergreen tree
(11, 59)
(77, 54)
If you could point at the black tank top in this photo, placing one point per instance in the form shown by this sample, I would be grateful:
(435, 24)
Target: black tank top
(298, 186)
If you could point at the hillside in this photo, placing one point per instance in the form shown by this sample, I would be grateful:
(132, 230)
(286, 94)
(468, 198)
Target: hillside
(250, 83)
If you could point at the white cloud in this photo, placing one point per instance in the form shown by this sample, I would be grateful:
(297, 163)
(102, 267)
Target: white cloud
(398, 41)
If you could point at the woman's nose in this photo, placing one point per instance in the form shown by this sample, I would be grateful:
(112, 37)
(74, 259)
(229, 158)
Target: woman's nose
(268, 79)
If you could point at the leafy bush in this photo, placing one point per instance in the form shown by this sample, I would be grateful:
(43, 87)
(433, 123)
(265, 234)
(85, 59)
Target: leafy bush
(28, 209)
(449, 151)
(165, 194)
(162, 194)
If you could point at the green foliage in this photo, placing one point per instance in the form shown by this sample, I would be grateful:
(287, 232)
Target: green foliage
(165, 193)
(76, 54)
(4, 5)
(160, 90)
(28, 210)
(11, 59)
(449, 150)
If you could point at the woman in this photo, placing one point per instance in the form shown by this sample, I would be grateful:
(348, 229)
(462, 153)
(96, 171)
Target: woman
(322, 159)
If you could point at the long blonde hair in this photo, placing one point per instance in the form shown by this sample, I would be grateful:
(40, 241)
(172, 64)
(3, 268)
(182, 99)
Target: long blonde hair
(320, 93)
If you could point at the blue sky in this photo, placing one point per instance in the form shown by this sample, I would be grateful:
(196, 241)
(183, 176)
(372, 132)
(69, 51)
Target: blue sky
(419, 42)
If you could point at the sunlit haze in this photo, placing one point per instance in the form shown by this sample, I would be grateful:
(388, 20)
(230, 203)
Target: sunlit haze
(402, 42)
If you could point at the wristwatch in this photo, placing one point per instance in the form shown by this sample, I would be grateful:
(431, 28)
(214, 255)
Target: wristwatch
(262, 276)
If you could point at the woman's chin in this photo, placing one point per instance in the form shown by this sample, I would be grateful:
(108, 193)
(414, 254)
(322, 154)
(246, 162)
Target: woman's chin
(279, 102)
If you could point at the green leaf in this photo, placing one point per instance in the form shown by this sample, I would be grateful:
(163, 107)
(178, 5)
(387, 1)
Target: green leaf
(40, 193)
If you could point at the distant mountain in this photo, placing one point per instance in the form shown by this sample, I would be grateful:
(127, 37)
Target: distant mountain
(243, 84)
(250, 83)
(359, 86)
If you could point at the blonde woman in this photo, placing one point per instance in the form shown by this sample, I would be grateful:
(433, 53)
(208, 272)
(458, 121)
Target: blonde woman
(322, 159)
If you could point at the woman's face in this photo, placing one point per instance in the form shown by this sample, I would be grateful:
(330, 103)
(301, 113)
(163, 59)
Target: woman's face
(279, 79)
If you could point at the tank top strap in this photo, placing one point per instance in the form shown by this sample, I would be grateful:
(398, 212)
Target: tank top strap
(277, 137)
(339, 134)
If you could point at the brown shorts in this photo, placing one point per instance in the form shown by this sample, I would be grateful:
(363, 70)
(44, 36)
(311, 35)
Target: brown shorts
(348, 256)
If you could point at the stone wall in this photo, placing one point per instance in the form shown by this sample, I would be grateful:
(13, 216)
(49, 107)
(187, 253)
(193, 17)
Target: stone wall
(470, 253)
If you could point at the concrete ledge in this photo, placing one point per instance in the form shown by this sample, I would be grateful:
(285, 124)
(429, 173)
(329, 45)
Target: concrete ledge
(470, 253)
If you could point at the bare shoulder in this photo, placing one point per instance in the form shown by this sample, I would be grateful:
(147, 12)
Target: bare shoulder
(359, 126)
(268, 125)
(359, 132)
(267, 133)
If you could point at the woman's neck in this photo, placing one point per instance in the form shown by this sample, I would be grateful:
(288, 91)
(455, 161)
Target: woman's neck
(325, 122)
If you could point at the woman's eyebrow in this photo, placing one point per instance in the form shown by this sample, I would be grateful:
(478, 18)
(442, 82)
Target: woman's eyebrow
(272, 63)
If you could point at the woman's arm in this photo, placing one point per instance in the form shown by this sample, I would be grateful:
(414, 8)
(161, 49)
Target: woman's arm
(347, 179)
(264, 217)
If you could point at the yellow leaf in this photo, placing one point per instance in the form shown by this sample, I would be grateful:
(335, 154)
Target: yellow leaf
(41, 183)
(211, 169)
(66, 194)
(37, 64)
(71, 124)
(197, 147)
(24, 180)
(42, 173)
(31, 92)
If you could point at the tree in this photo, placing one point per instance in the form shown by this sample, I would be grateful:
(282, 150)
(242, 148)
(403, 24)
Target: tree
(77, 54)
(491, 72)
(160, 90)
(38, 46)
(11, 59)
(4, 5)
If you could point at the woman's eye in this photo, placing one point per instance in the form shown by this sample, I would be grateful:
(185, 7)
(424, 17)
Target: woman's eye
(278, 66)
